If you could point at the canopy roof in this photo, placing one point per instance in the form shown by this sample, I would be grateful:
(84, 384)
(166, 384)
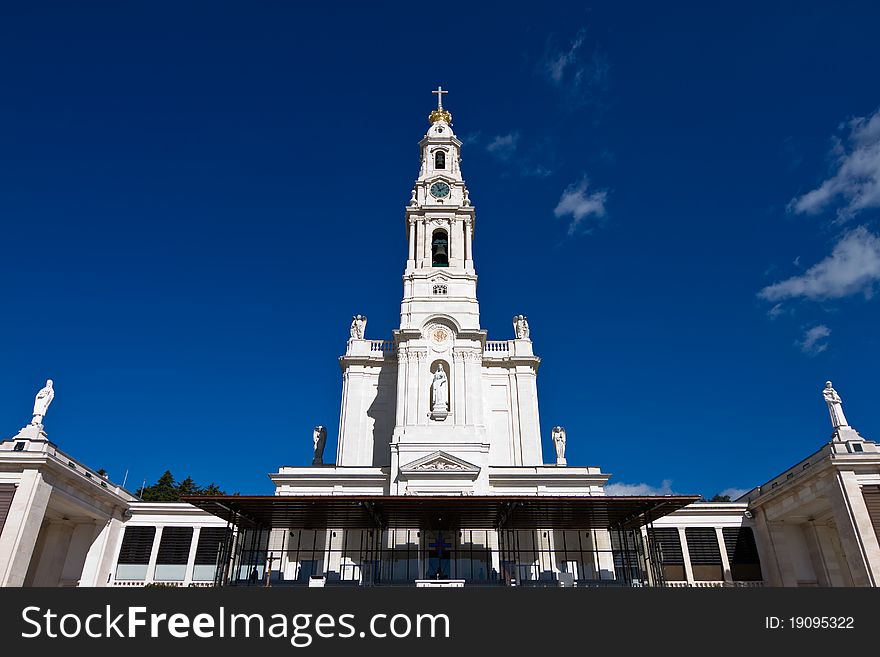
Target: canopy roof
(415, 512)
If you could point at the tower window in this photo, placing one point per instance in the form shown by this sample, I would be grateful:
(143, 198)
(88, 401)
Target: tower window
(439, 249)
(439, 160)
(439, 289)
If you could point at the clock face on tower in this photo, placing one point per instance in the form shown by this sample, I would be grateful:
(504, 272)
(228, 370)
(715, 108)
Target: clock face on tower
(439, 190)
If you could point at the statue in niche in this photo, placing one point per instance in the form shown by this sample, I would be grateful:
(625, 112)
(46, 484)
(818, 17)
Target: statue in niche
(521, 327)
(440, 391)
(358, 327)
(319, 438)
(835, 406)
(41, 403)
(558, 435)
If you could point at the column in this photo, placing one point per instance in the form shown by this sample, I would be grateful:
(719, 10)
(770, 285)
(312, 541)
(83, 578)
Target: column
(469, 239)
(343, 413)
(23, 523)
(82, 537)
(412, 241)
(725, 558)
(47, 562)
(191, 558)
(686, 555)
(102, 554)
(459, 402)
(154, 555)
(857, 537)
(412, 393)
(426, 242)
(402, 369)
(423, 390)
(770, 567)
(516, 456)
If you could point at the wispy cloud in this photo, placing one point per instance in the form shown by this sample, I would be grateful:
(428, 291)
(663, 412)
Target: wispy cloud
(579, 75)
(776, 311)
(504, 146)
(665, 488)
(852, 268)
(521, 161)
(813, 341)
(558, 62)
(472, 138)
(856, 176)
(580, 204)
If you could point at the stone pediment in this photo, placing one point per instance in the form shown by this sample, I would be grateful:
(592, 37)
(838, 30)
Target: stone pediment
(440, 464)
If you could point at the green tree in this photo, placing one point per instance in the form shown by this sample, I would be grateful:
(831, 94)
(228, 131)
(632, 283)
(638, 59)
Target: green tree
(164, 490)
(212, 489)
(720, 498)
(188, 487)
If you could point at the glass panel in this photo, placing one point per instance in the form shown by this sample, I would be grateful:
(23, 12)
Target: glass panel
(170, 573)
(131, 571)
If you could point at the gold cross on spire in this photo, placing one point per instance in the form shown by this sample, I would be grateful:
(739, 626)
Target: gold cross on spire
(439, 91)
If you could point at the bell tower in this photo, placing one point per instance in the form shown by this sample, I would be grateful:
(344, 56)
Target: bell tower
(439, 409)
(439, 273)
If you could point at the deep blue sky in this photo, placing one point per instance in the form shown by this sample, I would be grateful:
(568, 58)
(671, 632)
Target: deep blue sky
(195, 199)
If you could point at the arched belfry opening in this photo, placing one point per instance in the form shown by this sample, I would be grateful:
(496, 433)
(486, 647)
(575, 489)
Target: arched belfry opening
(440, 160)
(440, 249)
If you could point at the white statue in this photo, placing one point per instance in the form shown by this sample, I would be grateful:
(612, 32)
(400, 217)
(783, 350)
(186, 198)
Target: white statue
(41, 403)
(440, 391)
(558, 435)
(835, 406)
(413, 200)
(358, 327)
(467, 198)
(319, 438)
(520, 327)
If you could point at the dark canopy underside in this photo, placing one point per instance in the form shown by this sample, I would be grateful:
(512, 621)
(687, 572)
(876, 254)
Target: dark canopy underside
(416, 512)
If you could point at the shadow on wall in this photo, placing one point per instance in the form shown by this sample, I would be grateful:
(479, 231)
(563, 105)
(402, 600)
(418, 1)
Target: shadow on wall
(382, 412)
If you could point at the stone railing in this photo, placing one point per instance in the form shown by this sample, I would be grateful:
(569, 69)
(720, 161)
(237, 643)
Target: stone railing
(497, 346)
(714, 584)
(144, 583)
(385, 346)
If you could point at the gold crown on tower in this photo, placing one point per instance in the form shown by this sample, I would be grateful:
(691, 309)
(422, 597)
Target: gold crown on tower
(440, 114)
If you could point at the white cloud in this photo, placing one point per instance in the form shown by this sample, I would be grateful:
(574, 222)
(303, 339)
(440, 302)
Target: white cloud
(853, 267)
(665, 488)
(857, 176)
(504, 146)
(813, 341)
(577, 203)
(557, 62)
(734, 493)
(579, 76)
(472, 138)
(775, 311)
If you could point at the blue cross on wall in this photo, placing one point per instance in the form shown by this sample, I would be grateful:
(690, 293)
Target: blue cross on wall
(439, 544)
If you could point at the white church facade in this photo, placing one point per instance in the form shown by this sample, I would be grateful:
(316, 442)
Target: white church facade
(439, 477)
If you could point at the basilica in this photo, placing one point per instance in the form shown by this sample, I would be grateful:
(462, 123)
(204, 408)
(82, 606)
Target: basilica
(439, 477)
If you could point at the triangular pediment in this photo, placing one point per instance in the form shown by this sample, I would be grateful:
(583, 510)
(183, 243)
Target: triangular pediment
(440, 463)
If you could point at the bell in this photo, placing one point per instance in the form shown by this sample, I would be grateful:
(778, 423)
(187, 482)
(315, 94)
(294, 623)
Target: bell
(439, 249)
